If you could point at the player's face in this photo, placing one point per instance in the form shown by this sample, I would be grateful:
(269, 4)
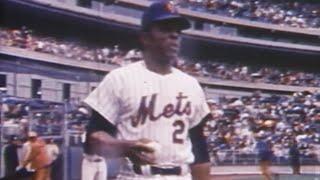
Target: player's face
(163, 40)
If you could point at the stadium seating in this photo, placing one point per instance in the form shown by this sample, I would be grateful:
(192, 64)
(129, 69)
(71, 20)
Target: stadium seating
(301, 14)
(28, 39)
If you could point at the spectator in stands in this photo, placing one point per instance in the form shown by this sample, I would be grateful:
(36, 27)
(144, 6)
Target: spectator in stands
(10, 154)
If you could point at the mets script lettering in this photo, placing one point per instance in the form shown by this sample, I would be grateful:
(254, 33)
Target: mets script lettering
(147, 109)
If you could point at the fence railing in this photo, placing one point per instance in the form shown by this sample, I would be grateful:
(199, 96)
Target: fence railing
(230, 157)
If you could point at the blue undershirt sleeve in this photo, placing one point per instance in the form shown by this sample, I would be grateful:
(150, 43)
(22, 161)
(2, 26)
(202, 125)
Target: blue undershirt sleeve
(199, 142)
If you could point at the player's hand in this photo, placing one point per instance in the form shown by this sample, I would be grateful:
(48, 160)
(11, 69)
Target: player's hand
(141, 158)
(140, 145)
(141, 154)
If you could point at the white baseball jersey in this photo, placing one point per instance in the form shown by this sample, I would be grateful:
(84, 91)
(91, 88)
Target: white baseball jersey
(144, 104)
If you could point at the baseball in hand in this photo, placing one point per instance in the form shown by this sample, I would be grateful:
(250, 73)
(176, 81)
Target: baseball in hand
(155, 146)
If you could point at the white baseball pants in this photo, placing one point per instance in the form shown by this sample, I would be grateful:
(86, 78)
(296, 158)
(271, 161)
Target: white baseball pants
(123, 176)
(92, 170)
(127, 174)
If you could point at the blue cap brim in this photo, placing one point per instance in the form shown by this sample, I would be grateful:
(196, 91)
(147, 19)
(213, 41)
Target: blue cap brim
(180, 22)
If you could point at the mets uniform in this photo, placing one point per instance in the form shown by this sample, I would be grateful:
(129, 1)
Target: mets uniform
(144, 104)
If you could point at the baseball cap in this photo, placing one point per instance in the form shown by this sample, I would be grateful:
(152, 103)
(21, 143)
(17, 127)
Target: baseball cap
(32, 134)
(163, 11)
(13, 138)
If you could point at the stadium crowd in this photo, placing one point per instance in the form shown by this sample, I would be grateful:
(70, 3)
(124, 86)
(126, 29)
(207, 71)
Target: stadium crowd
(47, 117)
(300, 14)
(26, 39)
(294, 13)
(241, 121)
(25, 134)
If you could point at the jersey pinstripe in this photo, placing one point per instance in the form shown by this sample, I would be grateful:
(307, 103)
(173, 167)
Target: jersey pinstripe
(144, 104)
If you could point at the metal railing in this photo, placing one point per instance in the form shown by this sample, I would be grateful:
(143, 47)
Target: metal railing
(231, 157)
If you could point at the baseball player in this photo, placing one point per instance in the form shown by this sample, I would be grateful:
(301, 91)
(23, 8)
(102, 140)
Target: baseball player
(151, 113)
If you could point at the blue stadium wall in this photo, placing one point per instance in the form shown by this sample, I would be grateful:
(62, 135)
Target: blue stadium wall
(20, 72)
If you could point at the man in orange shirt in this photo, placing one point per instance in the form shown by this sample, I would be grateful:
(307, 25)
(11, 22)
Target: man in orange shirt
(37, 157)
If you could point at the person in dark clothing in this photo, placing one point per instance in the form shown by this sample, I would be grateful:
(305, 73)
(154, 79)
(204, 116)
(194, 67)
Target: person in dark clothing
(294, 155)
(11, 156)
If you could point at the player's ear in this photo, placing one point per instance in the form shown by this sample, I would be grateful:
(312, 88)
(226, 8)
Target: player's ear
(144, 38)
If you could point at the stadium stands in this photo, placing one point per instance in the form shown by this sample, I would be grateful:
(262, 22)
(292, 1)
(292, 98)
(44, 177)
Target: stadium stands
(283, 13)
(240, 121)
(46, 118)
(232, 136)
(77, 50)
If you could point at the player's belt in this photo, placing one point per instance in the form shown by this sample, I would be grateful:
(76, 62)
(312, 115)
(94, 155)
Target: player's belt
(157, 170)
(93, 158)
